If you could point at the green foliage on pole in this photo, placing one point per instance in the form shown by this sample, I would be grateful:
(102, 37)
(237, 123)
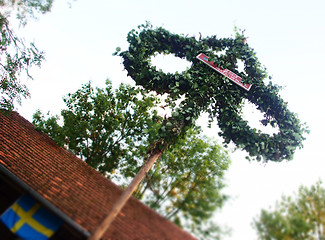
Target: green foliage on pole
(295, 218)
(204, 90)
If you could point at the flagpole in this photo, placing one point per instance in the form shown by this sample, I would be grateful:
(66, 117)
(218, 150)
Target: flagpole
(104, 225)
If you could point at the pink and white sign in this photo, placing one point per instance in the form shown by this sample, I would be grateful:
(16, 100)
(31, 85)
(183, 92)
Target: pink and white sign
(225, 72)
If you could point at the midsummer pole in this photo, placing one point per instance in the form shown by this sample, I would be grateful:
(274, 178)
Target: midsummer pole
(205, 91)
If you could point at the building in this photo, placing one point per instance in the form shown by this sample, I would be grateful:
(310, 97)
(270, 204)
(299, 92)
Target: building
(30, 162)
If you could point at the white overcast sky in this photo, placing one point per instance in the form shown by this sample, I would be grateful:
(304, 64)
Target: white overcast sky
(288, 37)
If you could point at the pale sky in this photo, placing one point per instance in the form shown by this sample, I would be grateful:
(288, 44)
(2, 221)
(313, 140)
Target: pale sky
(288, 37)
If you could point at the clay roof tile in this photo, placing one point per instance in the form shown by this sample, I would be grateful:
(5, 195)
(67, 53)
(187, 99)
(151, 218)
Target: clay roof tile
(73, 187)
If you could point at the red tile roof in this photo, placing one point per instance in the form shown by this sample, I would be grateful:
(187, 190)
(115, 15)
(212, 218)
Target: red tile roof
(73, 187)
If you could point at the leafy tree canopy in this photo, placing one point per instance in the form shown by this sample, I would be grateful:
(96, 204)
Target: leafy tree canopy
(298, 218)
(106, 128)
(16, 56)
(113, 131)
(185, 185)
(25, 9)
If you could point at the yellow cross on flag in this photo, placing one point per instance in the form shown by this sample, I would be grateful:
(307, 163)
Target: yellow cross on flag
(29, 220)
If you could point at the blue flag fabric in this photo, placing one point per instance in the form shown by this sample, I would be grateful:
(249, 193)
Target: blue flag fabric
(29, 220)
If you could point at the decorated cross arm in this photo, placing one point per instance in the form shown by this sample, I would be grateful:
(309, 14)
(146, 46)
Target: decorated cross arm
(213, 84)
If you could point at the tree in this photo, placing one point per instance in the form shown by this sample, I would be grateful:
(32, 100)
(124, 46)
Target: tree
(113, 130)
(16, 56)
(107, 129)
(299, 217)
(185, 185)
(25, 9)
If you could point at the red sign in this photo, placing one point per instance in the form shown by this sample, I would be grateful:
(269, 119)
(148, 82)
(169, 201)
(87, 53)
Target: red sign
(225, 72)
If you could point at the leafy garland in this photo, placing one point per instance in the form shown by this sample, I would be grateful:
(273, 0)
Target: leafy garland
(204, 90)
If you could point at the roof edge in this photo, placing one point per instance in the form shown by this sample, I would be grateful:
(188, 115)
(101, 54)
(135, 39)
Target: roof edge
(46, 203)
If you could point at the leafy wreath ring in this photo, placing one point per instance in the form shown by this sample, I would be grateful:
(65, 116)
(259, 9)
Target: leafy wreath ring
(205, 90)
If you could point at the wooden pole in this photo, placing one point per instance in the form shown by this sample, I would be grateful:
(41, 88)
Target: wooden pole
(104, 225)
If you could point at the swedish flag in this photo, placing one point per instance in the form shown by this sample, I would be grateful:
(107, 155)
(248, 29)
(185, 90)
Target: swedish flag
(29, 220)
